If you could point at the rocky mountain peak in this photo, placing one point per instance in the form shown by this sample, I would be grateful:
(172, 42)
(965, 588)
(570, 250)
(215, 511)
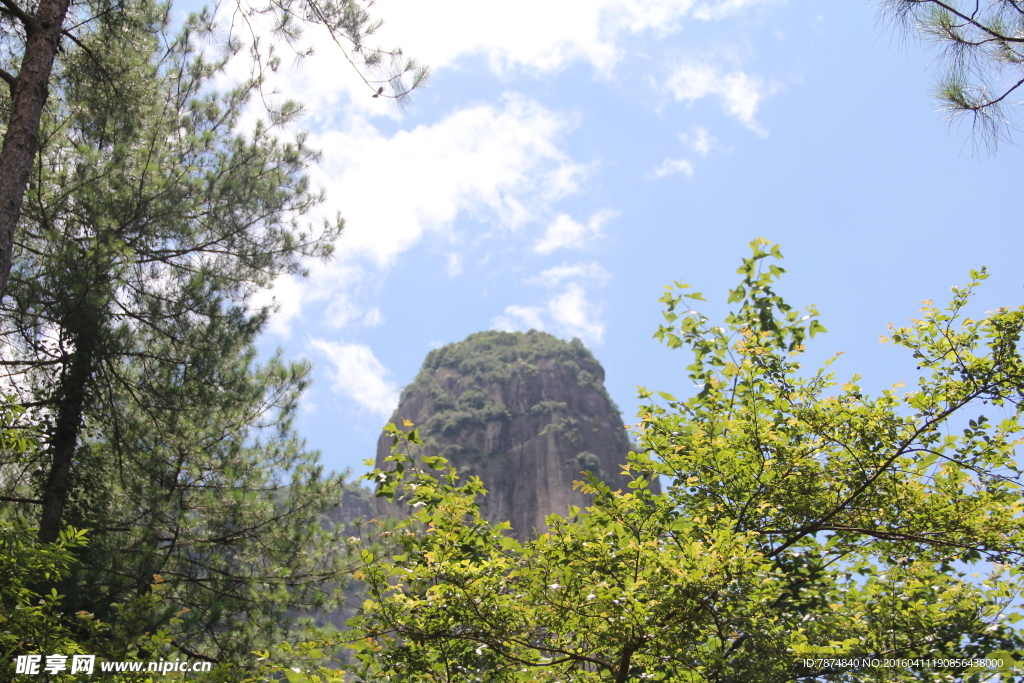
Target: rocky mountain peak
(526, 412)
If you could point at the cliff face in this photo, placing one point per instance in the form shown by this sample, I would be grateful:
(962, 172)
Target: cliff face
(524, 412)
(356, 504)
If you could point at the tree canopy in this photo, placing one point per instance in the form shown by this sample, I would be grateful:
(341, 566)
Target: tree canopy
(809, 531)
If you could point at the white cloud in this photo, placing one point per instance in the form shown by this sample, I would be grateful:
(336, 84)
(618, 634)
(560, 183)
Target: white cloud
(335, 282)
(577, 316)
(580, 271)
(499, 163)
(531, 35)
(699, 140)
(341, 311)
(502, 163)
(358, 374)
(536, 35)
(373, 317)
(740, 93)
(712, 11)
(570, 312)
(284, 298)
(565, 232)
(454, 266)
(519, 318)
(670, 166)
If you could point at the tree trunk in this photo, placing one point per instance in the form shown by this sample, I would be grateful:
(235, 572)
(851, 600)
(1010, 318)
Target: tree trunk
(73, 389)
(21, 141)
(622, 673)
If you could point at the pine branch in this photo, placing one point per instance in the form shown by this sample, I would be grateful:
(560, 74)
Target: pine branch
(11, 80)
(31, 501)
(24, 17)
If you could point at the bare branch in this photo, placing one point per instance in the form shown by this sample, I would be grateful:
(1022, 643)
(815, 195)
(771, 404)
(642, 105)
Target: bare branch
(31, 501)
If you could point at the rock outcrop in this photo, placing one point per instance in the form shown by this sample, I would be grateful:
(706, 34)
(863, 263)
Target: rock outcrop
(526, 412)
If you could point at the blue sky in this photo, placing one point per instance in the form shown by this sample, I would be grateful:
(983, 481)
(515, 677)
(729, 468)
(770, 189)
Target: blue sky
(569, 159)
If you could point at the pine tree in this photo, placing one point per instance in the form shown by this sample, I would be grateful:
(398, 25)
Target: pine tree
(34, 34)
(981, 46)
(150, 219)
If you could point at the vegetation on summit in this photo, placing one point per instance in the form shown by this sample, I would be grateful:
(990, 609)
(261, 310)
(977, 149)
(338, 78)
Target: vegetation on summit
(488, 359)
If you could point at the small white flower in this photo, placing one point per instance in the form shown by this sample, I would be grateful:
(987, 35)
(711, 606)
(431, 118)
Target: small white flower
(554, 586)
(591, 596)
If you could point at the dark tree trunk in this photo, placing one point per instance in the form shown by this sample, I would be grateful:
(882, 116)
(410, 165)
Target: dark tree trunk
(622, 672)
(73, 388)
(21, 141)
